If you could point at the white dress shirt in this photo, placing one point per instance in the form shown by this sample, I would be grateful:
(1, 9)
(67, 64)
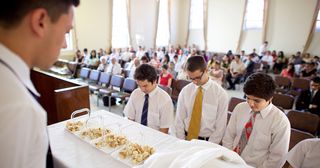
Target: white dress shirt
(305, 154)
(214, 111)
(268, 59)
(160, 109)
(114, 69)
(126, 56)
(23, 122)
(269, 140)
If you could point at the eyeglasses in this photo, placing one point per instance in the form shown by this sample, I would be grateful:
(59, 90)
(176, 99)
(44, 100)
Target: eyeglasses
(197, 78)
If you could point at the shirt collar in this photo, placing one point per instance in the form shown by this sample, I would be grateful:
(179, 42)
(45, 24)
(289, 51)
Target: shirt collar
(20, 68)
(266, 110)
(152, 93)
(205, 86)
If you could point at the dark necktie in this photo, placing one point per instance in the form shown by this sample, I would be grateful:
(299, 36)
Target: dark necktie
(144, 116)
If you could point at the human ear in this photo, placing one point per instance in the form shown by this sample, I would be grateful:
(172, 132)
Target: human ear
(38, 21)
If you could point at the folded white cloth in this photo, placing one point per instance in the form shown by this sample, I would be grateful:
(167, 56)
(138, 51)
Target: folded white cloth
(194, 154)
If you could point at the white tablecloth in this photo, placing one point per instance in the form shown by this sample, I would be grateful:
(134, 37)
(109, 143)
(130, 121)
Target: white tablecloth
(69, 150)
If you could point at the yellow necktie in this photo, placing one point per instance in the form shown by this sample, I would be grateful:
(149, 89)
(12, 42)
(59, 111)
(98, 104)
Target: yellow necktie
(195, 122)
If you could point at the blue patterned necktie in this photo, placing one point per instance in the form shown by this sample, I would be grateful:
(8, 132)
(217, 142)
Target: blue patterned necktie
(144, 116)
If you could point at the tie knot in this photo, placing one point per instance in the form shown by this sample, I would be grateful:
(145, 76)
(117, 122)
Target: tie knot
(200, 88)
(146, 96)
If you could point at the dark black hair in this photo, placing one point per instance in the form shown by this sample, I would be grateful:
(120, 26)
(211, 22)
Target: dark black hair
(316, 79)
(260, 85)
(12, 11)
(165, 66)
(195, 63)
(145, 72)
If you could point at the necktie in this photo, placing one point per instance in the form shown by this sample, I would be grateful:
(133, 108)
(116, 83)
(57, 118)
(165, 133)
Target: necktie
(246, 132)
(195, 122)
(312, 94)
(144, 116)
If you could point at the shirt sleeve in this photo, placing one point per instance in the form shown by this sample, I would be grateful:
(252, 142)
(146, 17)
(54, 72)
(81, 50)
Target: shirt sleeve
(280, 144)
(296, 155)
(129, 110)
(181, 115)
(167, 116)
(221, 120)
(231, 131)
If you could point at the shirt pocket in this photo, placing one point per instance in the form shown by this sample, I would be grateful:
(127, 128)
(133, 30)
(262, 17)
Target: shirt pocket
(154, 119)
(261, 141)
(209, 112)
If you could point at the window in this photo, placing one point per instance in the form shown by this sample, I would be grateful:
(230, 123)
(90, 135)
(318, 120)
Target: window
(254, 15)
(120, 31)
(69, 41)
(318, 22)
(196, 14)
(163, 33)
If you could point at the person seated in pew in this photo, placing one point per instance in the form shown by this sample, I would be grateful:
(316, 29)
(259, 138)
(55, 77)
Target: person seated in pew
(309, 70)
(114, 67)
(149, 105)
(258, 131)
(165, 78)
(309, 100)
(202, 105)
(305, 154)
(236, 72)
(103, 66)
(216, 73)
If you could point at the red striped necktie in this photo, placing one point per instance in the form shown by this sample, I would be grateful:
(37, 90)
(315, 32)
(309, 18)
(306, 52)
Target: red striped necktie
(246, 132)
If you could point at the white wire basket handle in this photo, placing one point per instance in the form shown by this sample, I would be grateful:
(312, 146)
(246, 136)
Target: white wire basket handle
(73, 114)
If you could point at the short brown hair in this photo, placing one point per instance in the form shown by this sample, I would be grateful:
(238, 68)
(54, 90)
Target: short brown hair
(13, 11)
(195, 63)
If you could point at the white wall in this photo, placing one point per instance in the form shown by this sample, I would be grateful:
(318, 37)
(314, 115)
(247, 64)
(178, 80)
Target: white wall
(224, 23)
(251, 39)
(289, 24)
(143, 22)
(93, 24)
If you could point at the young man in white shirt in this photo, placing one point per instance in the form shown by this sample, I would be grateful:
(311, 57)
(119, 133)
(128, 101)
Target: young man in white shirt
(31, 35)
(202, 105)
(258, 131)
(305, 154)
(149, 105)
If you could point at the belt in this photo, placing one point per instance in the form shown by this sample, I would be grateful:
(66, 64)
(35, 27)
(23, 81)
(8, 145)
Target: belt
(199, 137)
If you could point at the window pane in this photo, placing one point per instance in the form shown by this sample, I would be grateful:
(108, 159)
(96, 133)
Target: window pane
(120, 33)
(254, 14)
(69, 41)
(196, 14)
(163, 24)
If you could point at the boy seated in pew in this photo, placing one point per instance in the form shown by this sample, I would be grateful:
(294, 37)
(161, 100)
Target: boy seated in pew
(258, 131)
